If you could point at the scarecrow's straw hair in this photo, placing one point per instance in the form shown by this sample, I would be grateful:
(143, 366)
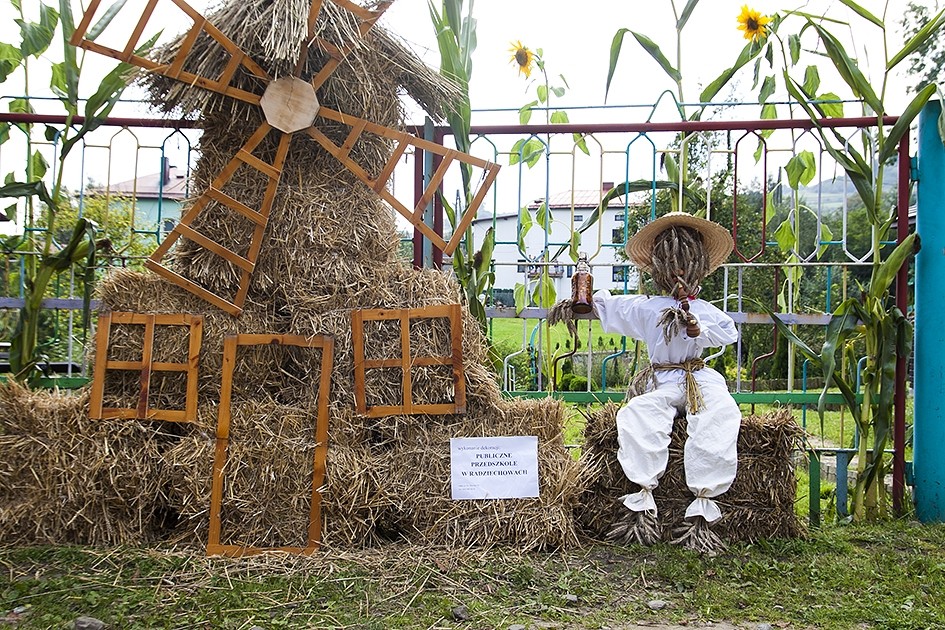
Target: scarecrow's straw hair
(678, 253)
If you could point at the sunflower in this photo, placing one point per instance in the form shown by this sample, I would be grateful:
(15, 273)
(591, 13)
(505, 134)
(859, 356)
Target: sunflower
(522, 57)
(753, 23)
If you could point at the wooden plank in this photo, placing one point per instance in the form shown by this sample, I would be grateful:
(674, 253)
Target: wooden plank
(147, 347)
(492, 170)
(216, 496)
(223, 81)
(251, 160)
(406, 377)
(128, 366)
(356, 130)
(230, 344)
(82, 28)
(214, 247)
(357, 339)
(221, 197)
(186, 45)
(101, 359)
(459, 378)
(430, 191)
(321, 443)
(132, 44)
(194, 288)
(388, 169)
(158, 68)
(193, 364)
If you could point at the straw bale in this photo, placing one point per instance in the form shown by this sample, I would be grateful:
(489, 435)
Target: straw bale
(418, 480)
(760, 503)
(68, 479)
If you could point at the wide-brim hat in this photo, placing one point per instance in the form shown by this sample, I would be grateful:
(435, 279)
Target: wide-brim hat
(716, 239)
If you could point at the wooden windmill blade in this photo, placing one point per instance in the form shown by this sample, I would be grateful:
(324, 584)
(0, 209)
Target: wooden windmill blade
(259, 217)
(367, 18)
(84, 38)
(378, 183)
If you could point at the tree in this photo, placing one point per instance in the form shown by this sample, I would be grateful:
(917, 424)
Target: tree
(927, 64)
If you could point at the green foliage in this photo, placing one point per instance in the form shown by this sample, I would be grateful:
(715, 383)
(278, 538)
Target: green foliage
(80, 248)
(871, 320)
(456, 39)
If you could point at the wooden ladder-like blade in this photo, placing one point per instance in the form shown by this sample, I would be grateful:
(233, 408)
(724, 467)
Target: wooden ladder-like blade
(337, 53)
(131, 52)
(379, 183)
(246, 264)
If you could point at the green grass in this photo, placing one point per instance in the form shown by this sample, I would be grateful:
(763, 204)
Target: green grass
(890, 575)
(509, 332)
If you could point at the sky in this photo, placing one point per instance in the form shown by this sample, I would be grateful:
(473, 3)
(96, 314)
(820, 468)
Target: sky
(575, 39)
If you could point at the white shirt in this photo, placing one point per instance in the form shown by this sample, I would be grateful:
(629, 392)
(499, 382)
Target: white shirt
(638, 316)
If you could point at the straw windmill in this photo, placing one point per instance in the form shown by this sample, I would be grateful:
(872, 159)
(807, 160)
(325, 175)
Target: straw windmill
(289, 104)
(323, 413)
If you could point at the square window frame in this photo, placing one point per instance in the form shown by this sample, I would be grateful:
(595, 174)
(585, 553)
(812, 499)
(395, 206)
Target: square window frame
(452, 312)
(146, 366)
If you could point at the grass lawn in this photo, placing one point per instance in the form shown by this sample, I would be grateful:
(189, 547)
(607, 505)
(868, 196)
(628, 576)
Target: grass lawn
(880, 576)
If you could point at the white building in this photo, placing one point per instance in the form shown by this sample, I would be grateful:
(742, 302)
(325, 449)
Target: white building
(603, 242)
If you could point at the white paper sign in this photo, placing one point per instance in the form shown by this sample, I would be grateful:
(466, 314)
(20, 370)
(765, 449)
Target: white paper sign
(494, 467)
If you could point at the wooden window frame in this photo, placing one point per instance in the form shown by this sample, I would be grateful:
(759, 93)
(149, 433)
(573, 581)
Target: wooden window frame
(230, 345)
(453, 313)
(146, 366)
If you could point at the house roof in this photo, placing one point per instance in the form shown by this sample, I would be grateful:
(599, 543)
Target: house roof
(580, 199)
(149, 186)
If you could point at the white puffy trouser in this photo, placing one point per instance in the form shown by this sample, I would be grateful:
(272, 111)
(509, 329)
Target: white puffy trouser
(644, 425)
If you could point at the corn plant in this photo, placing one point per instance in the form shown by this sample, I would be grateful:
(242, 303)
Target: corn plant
(456, 40)
(872, 318)
(54, 258)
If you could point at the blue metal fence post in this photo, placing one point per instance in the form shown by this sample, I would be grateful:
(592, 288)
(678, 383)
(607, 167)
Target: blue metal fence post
(929, 421)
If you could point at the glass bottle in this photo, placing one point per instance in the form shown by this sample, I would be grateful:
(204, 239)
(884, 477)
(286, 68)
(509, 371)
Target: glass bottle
(582, 287)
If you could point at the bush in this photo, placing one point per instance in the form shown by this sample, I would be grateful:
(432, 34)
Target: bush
(578, 383)
(564, 383)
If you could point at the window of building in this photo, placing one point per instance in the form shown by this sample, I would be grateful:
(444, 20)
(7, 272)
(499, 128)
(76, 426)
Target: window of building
(621, 273)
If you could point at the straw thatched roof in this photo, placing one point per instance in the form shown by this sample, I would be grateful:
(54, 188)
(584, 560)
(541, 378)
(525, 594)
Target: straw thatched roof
(380, 67)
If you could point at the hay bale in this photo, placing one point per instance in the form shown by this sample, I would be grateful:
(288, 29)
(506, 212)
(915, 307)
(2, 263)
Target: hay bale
(418, 479)
(67, 479)
(760, 503)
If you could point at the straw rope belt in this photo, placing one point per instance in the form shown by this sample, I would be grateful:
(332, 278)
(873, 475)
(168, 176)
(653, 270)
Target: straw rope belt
(694, 400)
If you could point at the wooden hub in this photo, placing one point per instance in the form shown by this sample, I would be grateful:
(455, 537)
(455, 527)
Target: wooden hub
(289, 104)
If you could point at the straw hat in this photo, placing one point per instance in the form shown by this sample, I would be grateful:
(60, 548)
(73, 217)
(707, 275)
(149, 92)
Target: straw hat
(718, 241)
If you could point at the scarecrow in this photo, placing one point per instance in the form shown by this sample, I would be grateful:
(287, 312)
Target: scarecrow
(678, 250)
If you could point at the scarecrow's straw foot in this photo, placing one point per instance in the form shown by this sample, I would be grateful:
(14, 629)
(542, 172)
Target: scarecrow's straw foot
(698, 536)
(641, 528)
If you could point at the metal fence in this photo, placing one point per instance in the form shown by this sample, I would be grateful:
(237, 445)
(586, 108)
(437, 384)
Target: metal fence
(797, 250)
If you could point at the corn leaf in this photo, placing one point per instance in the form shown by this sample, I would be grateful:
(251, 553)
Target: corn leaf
(615, 46)
(749, 52)
(105, 20)
(650, 46)
(686, 12)
(36, 36)
(921, 37)
(864, 13)
(848, 69)
(884, 274)
(899, 129)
